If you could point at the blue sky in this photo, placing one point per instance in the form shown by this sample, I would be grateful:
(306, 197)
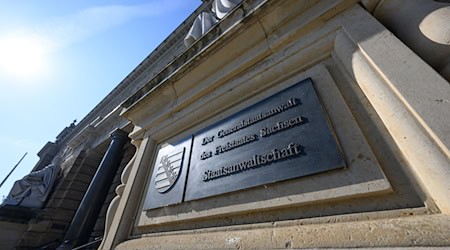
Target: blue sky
(58, 59)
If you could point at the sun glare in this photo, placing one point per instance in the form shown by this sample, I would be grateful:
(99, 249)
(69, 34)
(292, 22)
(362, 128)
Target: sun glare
(23, 57)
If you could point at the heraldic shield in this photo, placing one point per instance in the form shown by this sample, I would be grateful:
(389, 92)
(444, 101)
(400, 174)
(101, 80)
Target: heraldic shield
(169, 169)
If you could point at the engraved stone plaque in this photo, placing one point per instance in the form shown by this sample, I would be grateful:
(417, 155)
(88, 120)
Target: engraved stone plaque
(168, 180)
(282, 137)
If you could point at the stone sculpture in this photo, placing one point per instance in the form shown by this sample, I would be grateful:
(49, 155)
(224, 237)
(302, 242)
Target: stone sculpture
(33, 189)
(201, 25)
(222, 7)
(206, 20)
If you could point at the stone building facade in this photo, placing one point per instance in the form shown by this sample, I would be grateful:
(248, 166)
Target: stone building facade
(380, 71)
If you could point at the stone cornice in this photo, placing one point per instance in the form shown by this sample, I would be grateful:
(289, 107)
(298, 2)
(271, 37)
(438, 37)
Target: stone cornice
(99, 130)
(47, 147)
(162, 55)
(226, 25)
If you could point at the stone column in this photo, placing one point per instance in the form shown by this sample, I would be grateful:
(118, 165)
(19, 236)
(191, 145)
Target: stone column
(423, 25)
(92, 202)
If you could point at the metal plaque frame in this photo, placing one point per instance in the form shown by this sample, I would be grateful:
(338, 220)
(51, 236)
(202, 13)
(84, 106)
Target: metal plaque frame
(167, 184)
(282, 137)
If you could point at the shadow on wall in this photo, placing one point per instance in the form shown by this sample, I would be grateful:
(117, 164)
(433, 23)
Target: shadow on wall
(423, 25)
(410, 98)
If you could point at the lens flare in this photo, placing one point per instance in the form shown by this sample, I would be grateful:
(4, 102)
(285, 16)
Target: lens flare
(23, 57)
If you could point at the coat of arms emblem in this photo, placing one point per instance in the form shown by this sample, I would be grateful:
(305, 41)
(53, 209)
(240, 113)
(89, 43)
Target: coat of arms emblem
(169, 168)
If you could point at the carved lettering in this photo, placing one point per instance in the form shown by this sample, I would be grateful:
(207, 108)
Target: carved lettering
(207, 140)
(292, 150)
(279, 126)
(261, 116)
(236, 143)
(206, 155)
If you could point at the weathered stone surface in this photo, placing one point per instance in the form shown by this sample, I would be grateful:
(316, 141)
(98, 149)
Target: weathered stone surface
(389, 110)
(397, 232)
(72, 194)
(380, 99)
(11, 233)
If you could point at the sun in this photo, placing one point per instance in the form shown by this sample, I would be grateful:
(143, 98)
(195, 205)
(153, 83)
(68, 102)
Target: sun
(23, 56)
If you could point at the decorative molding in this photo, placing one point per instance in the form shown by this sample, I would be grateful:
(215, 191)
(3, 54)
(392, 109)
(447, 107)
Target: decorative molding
(83, 137)
(121, 210)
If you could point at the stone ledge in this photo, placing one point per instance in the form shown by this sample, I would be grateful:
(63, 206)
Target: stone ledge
(417, 231)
